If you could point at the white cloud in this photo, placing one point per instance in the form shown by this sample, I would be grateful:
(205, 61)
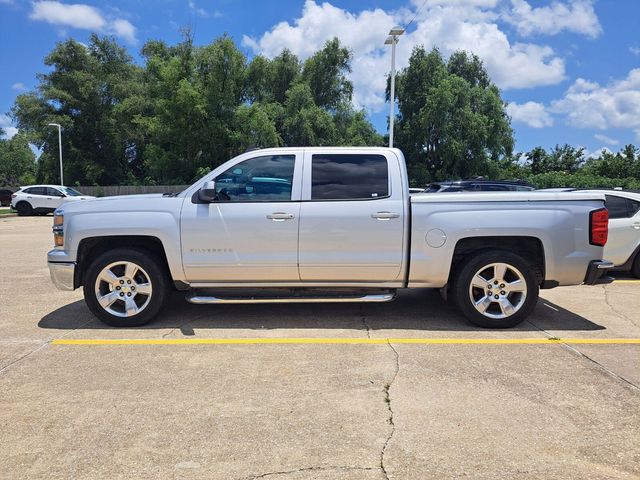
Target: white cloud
(532, 114)
(590, 105)
(202, 12)
(576, 16)
(124, 29)
(604, 139)
(19, 86)
(598, 152)
(634, 49)
(7, 126)
(81, 16)
(448, 24)
(76, 15)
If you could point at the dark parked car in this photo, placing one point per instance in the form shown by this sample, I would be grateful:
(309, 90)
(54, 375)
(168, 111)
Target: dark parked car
(5, 197)
(479, 185)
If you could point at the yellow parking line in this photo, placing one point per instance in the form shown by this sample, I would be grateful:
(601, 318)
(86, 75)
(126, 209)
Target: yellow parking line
(626, 281)
(347, 341)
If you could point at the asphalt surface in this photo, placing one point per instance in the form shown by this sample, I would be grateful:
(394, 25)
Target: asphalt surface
(371, 409)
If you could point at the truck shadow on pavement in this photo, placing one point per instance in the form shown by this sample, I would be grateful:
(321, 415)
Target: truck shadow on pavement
(413, 310)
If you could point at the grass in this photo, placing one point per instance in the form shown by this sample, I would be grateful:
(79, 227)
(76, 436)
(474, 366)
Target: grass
(6, 211)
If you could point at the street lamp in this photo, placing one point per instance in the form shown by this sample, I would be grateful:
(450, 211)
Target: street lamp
(392, 40)
(59, 148)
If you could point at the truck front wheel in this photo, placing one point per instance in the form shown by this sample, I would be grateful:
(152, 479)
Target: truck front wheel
(496, 289)
(126, 287)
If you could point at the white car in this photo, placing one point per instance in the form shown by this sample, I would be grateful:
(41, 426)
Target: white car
(36, 199)
(623, 245)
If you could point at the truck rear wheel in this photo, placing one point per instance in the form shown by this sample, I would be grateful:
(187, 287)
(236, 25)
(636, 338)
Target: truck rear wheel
(126, 287)
(496, 289)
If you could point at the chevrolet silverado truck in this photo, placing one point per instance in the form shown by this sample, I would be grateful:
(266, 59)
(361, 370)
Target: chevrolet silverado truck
(325, 224)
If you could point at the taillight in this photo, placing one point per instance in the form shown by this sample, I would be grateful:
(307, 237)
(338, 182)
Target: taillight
(599, 227)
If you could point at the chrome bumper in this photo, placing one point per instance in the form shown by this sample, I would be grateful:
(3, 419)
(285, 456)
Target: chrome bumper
(62, 274)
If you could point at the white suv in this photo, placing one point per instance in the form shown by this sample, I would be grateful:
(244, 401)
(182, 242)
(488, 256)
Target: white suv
(43, 198)
(623, 246)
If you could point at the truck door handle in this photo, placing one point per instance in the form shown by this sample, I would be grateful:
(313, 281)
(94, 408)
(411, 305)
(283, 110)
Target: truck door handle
(636, 225)
(384, 215)
(280, 216)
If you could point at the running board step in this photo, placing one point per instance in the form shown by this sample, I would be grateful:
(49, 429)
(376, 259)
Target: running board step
(373, 298)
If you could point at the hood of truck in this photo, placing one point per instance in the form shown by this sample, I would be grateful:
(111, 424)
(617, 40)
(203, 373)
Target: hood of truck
(123, 203)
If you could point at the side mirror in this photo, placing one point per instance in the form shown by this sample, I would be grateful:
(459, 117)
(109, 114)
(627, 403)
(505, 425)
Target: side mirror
(207, 192)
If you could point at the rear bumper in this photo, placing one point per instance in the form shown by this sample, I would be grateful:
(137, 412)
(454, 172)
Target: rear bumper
(596, 269)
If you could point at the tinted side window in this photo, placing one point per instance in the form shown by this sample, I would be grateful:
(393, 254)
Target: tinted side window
(633, 206)
(488, 187)
(349, 177)
(260, 179)
(52, 192)
(36, 191)
(617, 206)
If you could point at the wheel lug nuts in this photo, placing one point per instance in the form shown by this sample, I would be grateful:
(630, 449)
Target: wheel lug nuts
(490, 286)
(122, 294)
(503, 292)
(118, 288)
(502, 285)
(495, 283)
(128, 281)
(496, 297)
(129, 294)
(121, 282)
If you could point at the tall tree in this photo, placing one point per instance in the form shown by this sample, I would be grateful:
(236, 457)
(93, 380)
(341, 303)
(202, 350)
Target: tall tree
(452, 119)
(17, 161)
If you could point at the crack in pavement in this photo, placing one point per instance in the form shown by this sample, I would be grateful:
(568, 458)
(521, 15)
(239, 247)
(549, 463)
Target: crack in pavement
(387, 400)
(363, 319)
(613, 309)
(575, 350)
(41, 346)
(306, 469)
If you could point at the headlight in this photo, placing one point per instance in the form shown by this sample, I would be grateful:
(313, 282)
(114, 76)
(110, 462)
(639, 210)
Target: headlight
(58, 228)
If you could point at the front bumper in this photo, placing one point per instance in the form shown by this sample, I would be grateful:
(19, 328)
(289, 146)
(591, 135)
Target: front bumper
(596, 269)
(62, 275)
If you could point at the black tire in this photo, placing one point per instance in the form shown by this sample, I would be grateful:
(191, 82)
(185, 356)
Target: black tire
(635, 268)
(152, 267)
(462, 292)
(24, 209)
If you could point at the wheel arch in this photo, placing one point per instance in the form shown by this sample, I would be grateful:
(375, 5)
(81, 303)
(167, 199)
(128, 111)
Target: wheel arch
(89, 248)
(529, 248)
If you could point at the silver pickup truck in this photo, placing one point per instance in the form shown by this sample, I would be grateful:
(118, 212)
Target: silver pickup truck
(325, 225)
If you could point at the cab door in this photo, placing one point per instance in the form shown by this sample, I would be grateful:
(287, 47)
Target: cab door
(250, 232)
(352, 217)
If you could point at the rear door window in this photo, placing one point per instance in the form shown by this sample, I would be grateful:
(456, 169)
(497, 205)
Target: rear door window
(349, 177)
(617, 206)
(633, 206)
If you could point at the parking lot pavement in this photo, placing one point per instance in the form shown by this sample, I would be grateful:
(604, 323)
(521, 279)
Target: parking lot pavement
(543, 406)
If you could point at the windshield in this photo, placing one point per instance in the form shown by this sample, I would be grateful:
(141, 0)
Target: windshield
(71, 192)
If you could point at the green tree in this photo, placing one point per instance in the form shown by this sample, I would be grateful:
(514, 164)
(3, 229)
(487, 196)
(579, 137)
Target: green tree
(452, 120)
(326, 74)
(80, 93)
(17, 161)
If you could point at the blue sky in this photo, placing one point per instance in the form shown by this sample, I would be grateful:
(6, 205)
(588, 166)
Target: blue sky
(570, 69)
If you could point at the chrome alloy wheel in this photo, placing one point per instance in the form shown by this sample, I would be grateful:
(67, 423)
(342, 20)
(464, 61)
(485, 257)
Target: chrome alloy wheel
(498, 290)
(123, 289)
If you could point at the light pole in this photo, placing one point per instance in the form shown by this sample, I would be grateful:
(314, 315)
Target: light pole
(392, 40)
(59, 149)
